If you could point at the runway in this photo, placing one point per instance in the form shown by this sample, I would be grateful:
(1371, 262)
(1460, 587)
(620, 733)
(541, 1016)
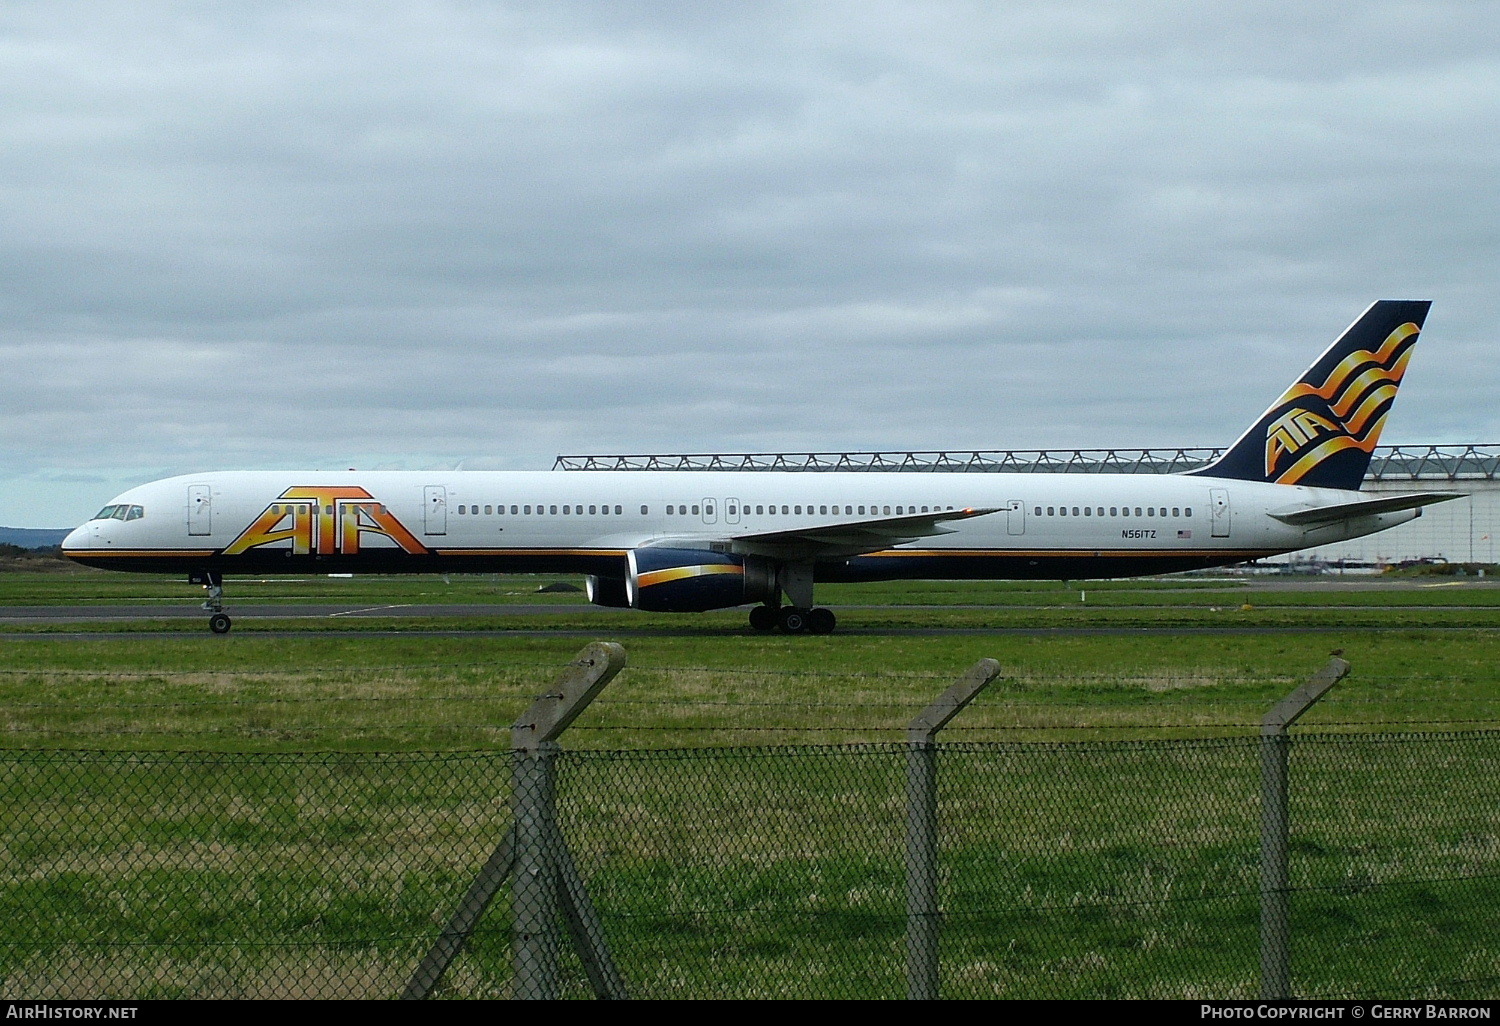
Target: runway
(119, 617)
(276, 611)
(83, 617)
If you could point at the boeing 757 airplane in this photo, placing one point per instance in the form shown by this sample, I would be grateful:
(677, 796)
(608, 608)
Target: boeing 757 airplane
(679, 541)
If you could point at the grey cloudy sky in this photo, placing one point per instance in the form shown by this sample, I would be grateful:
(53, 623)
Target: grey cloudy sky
(314, 234)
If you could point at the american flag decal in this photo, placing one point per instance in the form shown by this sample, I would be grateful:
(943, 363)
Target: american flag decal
(1184, 534)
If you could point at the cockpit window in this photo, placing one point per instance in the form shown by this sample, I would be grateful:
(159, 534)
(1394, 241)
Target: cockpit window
(121, 511)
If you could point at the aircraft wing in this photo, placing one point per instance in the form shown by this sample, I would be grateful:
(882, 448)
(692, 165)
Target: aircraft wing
(1314, 515)
(850, 538)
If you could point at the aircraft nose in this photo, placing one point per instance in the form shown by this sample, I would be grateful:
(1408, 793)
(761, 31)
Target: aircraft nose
(78, 538)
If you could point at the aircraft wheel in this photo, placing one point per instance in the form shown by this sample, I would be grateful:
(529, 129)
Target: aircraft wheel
(821, 621)
(219, 623)
(793, 620)
(763, 618)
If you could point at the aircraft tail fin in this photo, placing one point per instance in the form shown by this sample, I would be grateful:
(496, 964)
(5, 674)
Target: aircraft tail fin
(1323, 429)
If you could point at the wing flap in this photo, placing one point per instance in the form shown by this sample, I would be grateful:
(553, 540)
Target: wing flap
(852, 537)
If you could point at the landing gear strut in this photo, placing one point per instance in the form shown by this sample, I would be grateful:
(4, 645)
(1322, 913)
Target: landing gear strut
(213, 583)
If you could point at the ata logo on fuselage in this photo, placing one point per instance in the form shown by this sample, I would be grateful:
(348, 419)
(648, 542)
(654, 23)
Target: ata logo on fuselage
(329, 520)
(1293, 431)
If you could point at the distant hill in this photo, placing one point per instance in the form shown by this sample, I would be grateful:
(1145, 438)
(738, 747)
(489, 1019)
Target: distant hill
(33, 538)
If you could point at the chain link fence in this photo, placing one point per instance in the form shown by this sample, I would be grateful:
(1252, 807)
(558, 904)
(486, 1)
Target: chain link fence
(1075, 870)
(1080, 869)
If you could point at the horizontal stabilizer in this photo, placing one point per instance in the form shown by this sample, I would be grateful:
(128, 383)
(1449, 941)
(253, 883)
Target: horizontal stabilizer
(1301, 516)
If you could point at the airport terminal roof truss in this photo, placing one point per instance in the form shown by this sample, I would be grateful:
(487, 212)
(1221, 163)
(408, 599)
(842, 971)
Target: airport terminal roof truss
(1389, 463)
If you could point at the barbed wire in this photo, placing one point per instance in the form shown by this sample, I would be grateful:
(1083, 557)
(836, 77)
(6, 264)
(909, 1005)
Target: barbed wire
(1012, 676)
(606, 728)
(1001, 910)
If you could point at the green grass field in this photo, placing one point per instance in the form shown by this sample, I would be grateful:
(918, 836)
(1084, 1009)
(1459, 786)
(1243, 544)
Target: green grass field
(1423, 657)
(290, 812)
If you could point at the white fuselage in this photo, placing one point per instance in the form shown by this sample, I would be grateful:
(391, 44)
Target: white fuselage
(1043, 525)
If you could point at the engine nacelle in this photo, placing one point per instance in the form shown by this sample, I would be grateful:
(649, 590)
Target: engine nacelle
(694, 580)
(607, 591)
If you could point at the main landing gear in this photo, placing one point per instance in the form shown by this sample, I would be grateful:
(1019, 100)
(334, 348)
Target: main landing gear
(793, 619)
(801, 617)
(213, 583)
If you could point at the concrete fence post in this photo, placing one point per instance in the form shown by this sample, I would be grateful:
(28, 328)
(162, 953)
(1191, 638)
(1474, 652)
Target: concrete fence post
(534, 855)
(923, 910)
(534, 936)
(1275, 823)
(539, 859)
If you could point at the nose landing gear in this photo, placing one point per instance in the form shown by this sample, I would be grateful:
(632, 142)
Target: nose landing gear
(213, 583)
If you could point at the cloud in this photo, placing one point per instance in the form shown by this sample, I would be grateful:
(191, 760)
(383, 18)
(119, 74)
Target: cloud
(416, 233)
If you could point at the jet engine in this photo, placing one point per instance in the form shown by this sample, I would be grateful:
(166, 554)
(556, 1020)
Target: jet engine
(607, 591)
(694, 580)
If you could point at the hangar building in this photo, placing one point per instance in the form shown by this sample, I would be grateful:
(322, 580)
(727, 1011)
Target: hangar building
(1464, 530)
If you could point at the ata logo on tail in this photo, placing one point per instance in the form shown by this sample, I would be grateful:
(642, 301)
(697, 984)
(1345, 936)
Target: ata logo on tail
(329, 520)
(1320, 433)
(1347, 411)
